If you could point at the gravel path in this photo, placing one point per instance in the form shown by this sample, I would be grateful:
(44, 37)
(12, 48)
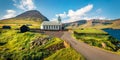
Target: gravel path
(89, 52)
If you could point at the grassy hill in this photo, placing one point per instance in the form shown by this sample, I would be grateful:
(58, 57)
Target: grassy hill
(16, 23)
(116, 24)
(97, 37)
(27, 46)
(65, 54)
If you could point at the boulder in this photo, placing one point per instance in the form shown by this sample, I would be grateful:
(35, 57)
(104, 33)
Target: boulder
(39, 41)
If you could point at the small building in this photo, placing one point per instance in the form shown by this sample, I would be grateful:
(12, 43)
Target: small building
(6, 27)
(24, 28)
(51, 25)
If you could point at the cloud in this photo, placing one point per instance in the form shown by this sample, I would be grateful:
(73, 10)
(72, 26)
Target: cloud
(9, 14)
(80, 12)
(64, 15)
(24, 4)
(76, 15)
(20, 4)
(99, 11)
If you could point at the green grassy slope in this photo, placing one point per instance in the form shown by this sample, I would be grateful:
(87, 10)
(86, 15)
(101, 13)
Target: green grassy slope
(17, 46)
(19, 21)
(16, 23)
(90, 30)
(96, 37)
(66, 54)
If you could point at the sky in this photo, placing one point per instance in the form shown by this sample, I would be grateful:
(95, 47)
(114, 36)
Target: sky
(69, 10)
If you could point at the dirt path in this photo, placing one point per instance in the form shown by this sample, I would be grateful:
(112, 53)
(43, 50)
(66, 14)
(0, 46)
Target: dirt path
(89, 52)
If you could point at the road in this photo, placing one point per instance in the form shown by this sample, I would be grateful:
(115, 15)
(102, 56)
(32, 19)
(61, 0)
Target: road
(89, 52)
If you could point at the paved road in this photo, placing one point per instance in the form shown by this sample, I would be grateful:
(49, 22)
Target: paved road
(89, 52)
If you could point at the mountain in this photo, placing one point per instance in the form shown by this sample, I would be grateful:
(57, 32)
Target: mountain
(33, 14)
(95, 23)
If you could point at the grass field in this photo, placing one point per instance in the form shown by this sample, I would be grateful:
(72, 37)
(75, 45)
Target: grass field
(14, 23)
(66, 54)
(96, 37)
(90, 30)
(11, 43)
(17, 46)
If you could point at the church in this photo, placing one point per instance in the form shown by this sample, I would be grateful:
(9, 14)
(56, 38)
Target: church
(52, 25)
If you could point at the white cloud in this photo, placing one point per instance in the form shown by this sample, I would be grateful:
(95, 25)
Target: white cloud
(76, 15)
(9, 14)
(99, 11)
(64, 15)
(80, 12)
(24, 4)
(21, 4)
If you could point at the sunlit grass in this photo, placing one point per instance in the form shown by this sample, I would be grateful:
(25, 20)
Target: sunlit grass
(14, 41)
(96, 37)
(66, 54)
(53, 42)
(17, 23)
(90, 30)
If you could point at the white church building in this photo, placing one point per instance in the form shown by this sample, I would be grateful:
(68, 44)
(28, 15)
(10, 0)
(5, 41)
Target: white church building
(52, 25)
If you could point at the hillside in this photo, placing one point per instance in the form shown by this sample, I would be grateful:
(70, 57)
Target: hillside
(94, 23)
(97, 24)
(75, 24)
(33, 46)
(32, 17)
(116, 24)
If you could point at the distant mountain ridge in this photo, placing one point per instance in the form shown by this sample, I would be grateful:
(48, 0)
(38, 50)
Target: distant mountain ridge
(95, 23)
(76, 23)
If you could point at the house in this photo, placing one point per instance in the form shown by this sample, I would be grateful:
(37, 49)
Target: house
(6, 27)
(51, 25)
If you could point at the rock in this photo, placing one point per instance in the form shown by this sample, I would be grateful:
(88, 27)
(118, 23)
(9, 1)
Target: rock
(21, 48)
(44, 42)
(39, 41)
(31, 47)
(56, 47)
(103, 44)
(5, 49)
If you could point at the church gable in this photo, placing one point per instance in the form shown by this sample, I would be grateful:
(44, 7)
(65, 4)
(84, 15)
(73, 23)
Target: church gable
(51, 25)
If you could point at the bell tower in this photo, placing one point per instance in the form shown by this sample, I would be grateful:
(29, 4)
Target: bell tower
(59, 19)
